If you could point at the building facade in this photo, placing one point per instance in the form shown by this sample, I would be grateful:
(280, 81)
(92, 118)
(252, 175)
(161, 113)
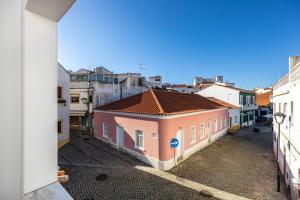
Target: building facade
(286, 98)
(234, 114)
(29, 32)
(144, 124)
(63, 108)
(244, 99)
(91, 89)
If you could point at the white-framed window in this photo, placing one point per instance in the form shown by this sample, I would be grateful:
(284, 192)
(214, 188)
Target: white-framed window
(279, 107)
(253, 100)
(139, 139)
(193, 134)
(216, 125)
(202, 130)
(284, 108)
(60, 126)
(225, 122)
(292, 112)
(105, 130)
(241, 100)
(221, 123)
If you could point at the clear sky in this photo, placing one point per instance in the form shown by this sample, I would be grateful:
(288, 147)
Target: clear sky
(247, 41)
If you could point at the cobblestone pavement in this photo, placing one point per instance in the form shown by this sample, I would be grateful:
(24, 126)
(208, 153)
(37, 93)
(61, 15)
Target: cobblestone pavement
(242, 164)
(84, 160)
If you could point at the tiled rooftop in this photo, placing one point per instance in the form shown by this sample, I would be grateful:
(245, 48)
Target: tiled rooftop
(159, 102)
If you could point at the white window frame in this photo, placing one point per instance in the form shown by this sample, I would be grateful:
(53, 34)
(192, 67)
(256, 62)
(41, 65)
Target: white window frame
(105, 125)
(136, 144)
(193, 134)
(216, 125)
(253, 99)
(225, 122)
(221, 123)
(202, 130)
(241, 100)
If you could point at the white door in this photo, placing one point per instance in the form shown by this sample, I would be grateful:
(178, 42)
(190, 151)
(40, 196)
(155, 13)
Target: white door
(210, 128)
(120, 136)
(180, 148)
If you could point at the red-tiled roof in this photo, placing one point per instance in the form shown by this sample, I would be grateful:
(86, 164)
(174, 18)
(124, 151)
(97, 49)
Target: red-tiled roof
(263, 99)
(158, 102)
(227, 105)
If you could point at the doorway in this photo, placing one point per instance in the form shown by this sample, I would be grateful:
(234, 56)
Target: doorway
(210, 129)
(119, 136)
(180, 148)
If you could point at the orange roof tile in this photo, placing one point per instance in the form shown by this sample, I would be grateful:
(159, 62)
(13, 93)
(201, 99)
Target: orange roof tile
(227, 105)
(159, 102)
(263, 99)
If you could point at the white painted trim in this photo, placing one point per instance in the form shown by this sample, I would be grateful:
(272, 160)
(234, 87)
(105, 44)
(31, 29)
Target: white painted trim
(159, 116)
(168, 164)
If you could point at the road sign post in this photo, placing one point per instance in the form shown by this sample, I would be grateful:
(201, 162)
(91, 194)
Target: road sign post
(174, 144)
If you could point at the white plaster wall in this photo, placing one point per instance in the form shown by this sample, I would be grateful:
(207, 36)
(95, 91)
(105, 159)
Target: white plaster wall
(40, 101)
(225, 94)
(63, 110)
(10, 98)
(79, 106)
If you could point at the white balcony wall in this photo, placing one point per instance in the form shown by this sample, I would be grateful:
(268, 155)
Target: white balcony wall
(10, 81)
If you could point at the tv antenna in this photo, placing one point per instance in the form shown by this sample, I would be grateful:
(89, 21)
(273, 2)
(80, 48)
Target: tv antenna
(141, 68)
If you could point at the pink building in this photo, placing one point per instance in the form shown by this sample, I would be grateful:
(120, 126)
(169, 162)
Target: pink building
(144, 124)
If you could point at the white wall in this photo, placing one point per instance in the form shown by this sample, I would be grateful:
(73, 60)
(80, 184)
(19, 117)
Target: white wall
(232, 114)
(10, 98)
(40, 101)
(63, 110)
(225, 94)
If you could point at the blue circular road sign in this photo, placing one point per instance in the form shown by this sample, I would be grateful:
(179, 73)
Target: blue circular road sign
(174, 143)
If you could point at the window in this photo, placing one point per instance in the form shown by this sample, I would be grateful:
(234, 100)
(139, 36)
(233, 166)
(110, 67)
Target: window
(284, 108)
(59, 92)
(221, 123)
(91, 99)
(279, 107)
(193, 134)
(139, 139)
(248, 99)
(274, 107)
(292, 112)
(202, 130)
(216, 125)
(75, 98)
(241, 100)
(225, 122)
(105, 130)
(253, 100)
(60, 127)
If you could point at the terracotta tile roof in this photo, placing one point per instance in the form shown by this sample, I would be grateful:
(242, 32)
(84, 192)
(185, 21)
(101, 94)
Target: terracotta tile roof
(158, 102)
(263, 99)
(227, 105)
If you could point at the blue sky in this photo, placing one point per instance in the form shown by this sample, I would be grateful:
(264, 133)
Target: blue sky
(247, 41)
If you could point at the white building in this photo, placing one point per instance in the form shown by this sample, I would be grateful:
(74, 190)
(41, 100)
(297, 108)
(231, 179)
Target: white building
(184, 88)
(63, 108)
(91, 89)
(286, 98)
(234, 113)
(28, 125)
(245, 99)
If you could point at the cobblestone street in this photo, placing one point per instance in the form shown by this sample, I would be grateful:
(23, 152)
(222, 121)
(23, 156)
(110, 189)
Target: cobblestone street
(242, 164)
(83, 160)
